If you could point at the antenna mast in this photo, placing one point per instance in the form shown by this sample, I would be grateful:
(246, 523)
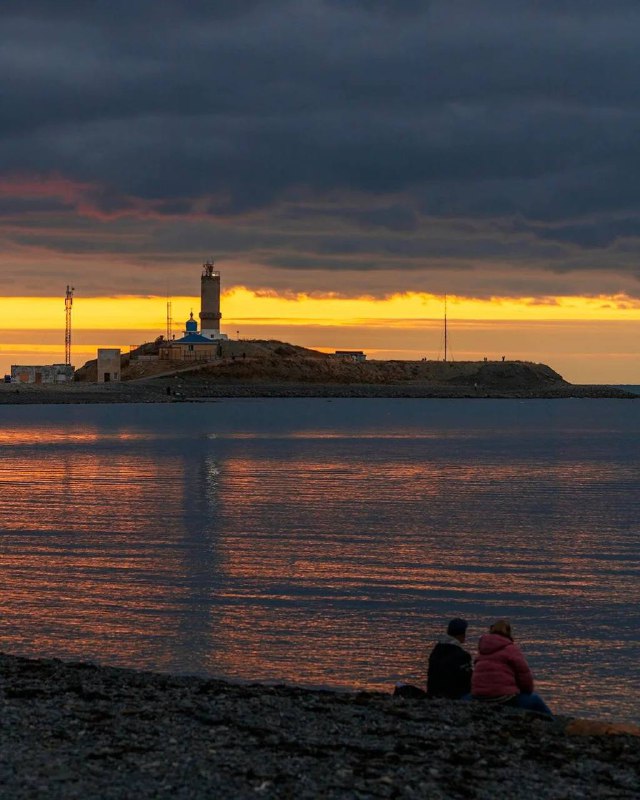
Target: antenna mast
(169, 321)
(68, 302)
(445, 327)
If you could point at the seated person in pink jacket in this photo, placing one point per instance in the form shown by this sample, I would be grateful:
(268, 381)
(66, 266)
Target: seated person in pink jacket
(501, 674)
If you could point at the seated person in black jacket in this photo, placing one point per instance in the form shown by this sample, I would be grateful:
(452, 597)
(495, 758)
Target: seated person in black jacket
(450, 664)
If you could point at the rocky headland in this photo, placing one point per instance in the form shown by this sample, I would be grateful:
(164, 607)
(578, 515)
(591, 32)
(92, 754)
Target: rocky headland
(277, 369)
(78, 730)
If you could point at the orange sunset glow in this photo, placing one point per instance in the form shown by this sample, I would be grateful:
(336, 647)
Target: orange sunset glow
(587, 339)
(242, 305)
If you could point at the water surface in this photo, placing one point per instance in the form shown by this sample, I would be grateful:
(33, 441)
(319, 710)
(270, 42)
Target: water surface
(326, 542)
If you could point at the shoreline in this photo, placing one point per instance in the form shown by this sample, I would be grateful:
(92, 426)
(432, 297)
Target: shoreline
(74, 729)
(181, 389)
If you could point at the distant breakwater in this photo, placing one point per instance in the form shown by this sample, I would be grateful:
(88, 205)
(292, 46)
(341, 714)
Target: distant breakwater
(183, 389)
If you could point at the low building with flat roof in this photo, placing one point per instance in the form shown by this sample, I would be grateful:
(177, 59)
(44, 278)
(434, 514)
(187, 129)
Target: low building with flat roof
(351, 355)
(45, 373)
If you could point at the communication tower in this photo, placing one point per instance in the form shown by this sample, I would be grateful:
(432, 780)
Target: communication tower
(68, 302)
(447, 343)
(445, 328)
(169, 321)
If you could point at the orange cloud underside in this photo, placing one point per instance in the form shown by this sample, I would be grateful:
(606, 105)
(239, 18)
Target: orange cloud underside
(242, 306)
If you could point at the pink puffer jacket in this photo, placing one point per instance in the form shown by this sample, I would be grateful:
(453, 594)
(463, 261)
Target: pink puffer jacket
(500, 668)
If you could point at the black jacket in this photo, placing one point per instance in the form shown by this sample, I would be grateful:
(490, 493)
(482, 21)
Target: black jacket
(449, 669)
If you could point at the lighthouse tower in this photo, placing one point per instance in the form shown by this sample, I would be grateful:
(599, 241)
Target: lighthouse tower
(210, 303)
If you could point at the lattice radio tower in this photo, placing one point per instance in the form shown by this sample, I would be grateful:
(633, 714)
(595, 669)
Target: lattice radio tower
(169, 321)
(446, 340)
(68, 302)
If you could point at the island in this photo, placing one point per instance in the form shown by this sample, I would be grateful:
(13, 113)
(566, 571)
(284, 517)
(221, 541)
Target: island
(269, 368)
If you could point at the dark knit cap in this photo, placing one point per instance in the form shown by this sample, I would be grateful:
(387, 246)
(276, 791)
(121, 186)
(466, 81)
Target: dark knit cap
(457, 627)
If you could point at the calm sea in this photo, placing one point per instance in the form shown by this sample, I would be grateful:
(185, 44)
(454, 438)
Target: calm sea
(326, 542)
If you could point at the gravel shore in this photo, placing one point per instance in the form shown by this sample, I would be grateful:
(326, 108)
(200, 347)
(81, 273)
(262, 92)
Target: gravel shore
(78, 731)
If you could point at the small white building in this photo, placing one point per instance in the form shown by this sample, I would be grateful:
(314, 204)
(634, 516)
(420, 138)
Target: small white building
(48, 373)
(351, 355)
(108, 364)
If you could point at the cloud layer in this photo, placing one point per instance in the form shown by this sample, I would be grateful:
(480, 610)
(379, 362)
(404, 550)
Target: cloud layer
(314, 144)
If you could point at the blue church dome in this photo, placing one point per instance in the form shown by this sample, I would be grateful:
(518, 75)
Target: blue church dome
(192, 325)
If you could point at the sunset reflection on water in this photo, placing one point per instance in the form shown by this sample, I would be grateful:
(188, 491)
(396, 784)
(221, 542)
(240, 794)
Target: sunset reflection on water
(328, 546)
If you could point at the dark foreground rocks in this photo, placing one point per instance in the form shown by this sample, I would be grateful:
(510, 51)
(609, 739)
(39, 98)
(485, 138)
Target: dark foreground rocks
(78, 731)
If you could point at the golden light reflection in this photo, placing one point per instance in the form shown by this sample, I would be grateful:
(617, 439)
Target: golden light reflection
(301, 561)
(53, 436)
(79, 548)
(306, 572)
(71, 491)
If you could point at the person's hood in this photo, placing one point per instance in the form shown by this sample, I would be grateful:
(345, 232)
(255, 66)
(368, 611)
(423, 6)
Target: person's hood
(446, 639)
(490, 643)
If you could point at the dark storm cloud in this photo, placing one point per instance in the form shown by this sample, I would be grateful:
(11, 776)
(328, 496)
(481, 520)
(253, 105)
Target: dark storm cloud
(518, 119)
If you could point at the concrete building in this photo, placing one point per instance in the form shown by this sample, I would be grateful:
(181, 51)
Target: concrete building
(50, 373)
(210, 303)
(108, 364)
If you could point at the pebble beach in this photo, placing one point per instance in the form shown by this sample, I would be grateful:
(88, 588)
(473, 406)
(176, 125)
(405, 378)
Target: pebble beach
(78, 730)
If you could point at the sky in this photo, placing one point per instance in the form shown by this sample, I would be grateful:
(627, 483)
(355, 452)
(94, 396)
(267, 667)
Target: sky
(345, 162)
